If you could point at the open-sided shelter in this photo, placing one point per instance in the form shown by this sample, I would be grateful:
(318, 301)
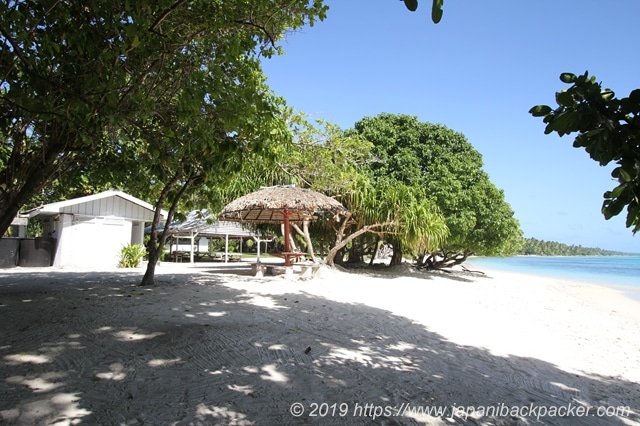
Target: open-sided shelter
(201, 225)
(281, 204)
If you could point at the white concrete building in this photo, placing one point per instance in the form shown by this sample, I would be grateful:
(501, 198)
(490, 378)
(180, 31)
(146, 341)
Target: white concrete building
(91, 231)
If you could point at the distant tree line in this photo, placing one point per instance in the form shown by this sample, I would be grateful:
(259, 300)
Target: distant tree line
(533, 246)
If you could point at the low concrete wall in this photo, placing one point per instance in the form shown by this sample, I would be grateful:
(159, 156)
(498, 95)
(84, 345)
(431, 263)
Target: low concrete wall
(9, 249)
(27, 252)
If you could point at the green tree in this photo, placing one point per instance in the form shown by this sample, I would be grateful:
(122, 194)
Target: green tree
(394, 211)
(324, 158)
(607, 128)
(448, 170)
(72, 72)
(192, 150)
(533, 246)
(327, 159)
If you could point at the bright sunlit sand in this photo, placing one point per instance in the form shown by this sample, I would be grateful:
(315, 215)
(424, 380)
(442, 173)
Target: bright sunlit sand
(209, 345)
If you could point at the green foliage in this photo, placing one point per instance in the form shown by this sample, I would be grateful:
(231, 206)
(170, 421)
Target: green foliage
(131, 255)
(440, 166)
(318, 156)
(607, 128)
(324, 158)
(74, 75)
(410, 217)
(412, 5)
(537, 247)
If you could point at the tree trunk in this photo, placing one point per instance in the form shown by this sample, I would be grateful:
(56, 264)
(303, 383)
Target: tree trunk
(374, 251)
(156, 244)
(292, 242)
(355, 253)
(307, 237)
(149, 275)
(340, 231)
(396, 257)
(450, 259)
(342, 242)
(304, 232)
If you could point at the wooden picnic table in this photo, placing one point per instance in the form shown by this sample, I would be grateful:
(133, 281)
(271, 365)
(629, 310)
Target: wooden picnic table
(290, 256)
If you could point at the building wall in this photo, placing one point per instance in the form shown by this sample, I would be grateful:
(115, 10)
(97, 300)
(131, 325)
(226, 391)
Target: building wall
(92, 242)
(137, 233)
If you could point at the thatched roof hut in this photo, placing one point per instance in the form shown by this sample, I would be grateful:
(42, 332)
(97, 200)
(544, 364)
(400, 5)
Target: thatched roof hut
(280, 204)
(268, 205)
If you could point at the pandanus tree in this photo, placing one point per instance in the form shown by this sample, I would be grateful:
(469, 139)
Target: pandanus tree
(392, 211)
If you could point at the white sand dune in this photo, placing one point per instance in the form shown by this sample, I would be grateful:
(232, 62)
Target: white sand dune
(213, 345)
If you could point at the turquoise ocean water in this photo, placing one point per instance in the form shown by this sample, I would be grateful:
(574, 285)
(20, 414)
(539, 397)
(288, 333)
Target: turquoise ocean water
(620, 272)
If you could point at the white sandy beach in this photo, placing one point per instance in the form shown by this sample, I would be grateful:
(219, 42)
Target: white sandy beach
(213, 345)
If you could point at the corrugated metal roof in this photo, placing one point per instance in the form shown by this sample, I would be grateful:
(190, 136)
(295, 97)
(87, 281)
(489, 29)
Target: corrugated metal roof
(107, 203)
(205, 224)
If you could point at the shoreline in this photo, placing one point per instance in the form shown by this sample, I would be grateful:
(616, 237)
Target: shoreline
(611, 292)
(630, 290)
(214, 345)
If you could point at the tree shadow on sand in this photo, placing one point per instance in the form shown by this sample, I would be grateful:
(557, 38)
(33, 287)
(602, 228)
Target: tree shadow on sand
(408, 270)
(87, 349)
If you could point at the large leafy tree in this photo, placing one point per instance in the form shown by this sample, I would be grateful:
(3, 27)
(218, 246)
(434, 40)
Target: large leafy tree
(193, 147)
(339, 163)
(72, 72)
(608, 128)
(448, 170)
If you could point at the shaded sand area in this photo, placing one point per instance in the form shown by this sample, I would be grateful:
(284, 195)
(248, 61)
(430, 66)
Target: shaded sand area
(213, 345)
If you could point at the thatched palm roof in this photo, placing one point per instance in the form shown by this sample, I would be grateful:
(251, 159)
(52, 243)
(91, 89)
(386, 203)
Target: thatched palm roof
(268, 205)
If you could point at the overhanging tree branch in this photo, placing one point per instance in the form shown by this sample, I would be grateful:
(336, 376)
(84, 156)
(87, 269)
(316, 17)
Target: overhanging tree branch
(164, 15)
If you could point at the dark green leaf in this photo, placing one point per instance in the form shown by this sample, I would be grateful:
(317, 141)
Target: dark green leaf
(634, 96)
(617, 191)
(540, 110)
(624, 175)
(584, 77)
(594, 132)
(607, 94)
(567, 77)
(633, 217)
(436, 11)
(412, 5)
(562, 123)
(612, 208)
(564, 98)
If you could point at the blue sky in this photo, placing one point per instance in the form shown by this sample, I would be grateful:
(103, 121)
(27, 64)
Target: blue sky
(478, 72)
